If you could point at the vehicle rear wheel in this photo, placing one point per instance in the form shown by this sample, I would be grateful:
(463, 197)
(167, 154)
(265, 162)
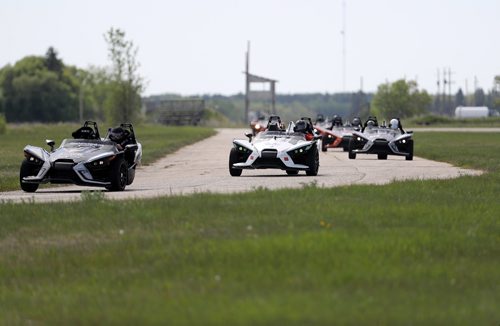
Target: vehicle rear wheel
(352, 155)
(233, 158)
(27, 170)
(409, 157)
(345, 148)
(292, 172)
(119, 173)
(382, 156)
(313, 162)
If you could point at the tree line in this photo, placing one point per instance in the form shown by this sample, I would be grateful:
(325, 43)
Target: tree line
(45, 89)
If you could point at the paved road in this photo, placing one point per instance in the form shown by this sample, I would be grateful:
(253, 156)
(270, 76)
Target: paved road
(204, 167)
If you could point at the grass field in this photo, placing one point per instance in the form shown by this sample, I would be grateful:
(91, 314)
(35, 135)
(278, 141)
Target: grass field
(156, 140)
(419, 252)
(440, 121)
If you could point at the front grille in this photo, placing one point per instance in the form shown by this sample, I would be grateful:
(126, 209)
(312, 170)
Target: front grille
(62, 171)
(380, 145)
(264, 163)
(269, 153)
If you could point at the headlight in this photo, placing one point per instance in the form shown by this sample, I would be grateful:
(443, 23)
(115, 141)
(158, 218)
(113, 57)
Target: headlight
(242, 149)
(300, 150)
(257, 126)
(101, 162)
(32, 159)
(329, 136)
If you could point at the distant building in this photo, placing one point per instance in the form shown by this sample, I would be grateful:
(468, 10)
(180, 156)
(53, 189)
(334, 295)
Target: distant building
(472, 112)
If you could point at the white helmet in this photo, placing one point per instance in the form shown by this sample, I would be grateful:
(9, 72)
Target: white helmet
(394, 124)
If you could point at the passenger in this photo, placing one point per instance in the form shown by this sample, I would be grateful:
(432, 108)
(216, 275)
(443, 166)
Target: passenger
(395, 124)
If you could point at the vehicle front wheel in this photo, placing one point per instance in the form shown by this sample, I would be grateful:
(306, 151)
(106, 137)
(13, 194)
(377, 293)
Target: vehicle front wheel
(27, 170)
(313, 162)
(382, 156)
(352, 155)
(409, 157)
(323, 144)
(118, 177)
(233, 158)
(292, 172)
(130, 176)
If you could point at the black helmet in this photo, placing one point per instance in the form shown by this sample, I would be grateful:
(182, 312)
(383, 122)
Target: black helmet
(374, 121)
(337, 120)
(300, 126)
(117, 134)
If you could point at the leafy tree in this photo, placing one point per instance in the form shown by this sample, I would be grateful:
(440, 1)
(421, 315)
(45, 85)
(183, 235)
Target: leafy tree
(479, 97)
(401, 99)
(459, 98)
(32, 92)
(52, 62)
(124, 102)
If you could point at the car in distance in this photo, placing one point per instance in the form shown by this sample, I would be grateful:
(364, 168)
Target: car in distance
(382, 140)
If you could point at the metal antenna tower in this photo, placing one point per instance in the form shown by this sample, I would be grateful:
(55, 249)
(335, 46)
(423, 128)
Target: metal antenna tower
(343, 32)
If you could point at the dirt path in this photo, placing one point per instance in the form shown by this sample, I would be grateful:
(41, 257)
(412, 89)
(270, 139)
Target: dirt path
(203, 167)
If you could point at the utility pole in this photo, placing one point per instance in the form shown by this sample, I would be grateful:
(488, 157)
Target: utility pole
(80, 99)
(438, 83)
(247, 82)
(466, 91)
(450, 81)
(343, 32)
(443, 100)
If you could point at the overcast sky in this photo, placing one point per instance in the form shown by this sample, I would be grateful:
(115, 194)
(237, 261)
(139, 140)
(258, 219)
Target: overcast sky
(198, 46)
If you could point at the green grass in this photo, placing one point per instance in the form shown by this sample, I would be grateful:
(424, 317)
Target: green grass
(440, 121)
(157, 141)
(419, 252)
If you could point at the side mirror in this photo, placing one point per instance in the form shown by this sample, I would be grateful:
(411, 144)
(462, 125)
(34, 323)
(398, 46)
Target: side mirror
(409, 131)
(51, 143)
(249, 135)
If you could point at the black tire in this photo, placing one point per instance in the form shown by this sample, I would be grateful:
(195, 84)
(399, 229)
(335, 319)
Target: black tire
(313, 162)
(382, 156)
(118, 175)
(352, 155)
(323, 144)
(292, 172)
(409, 157)
(130, 176)
(27, 170)
(345, 148)
(233, 158)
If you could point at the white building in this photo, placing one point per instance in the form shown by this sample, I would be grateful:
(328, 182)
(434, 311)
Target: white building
(472, 112)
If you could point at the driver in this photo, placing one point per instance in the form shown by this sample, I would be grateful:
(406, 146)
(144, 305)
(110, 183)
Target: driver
(119, 136)
(303, 127)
